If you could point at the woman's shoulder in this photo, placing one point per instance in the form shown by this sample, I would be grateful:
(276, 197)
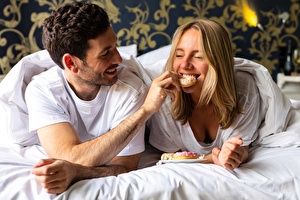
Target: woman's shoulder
(246, 87)
(244, 80)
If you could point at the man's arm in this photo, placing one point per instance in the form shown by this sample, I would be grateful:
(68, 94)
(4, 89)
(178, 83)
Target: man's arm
(61, 140)
(57, 175)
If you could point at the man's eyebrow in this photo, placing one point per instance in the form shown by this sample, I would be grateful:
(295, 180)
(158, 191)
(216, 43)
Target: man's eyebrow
(108, 47)
(104, 50)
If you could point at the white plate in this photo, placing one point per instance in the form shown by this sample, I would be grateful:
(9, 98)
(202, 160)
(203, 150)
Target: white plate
(198, 160)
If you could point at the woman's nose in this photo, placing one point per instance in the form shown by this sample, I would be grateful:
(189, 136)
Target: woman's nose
(186, 63)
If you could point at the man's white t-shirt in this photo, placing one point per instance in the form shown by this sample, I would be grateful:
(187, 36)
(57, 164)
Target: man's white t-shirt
(169, 135)
(50, 100)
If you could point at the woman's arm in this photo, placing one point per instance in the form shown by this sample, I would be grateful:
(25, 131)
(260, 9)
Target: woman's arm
(231, 155)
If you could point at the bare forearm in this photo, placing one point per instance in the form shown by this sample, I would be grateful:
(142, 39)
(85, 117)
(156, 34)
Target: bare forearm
(84, 172)
(101, 150)
(57, 175)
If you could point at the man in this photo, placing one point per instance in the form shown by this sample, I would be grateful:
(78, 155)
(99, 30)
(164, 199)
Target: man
(88, 112)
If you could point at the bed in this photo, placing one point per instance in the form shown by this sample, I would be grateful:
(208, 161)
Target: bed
(272, 170)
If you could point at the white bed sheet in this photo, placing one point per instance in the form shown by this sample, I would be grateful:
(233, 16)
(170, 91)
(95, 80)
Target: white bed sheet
(263, 177)
(271, 173)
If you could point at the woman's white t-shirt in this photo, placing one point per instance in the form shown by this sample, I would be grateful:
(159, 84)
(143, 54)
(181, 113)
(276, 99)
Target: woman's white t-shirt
(169, 135)
(50, 100)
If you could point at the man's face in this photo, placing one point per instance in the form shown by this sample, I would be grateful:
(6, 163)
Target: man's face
(102, 60)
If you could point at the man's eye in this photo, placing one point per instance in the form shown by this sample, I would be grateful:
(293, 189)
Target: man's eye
(105, 54)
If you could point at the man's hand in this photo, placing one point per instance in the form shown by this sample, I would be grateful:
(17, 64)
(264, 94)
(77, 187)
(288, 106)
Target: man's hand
(55, 175)
(231, 155)
(162, 86)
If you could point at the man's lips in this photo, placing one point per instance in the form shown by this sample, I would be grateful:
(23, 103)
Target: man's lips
(111, 70)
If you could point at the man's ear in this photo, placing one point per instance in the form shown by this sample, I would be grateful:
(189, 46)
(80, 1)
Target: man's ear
(69, 62)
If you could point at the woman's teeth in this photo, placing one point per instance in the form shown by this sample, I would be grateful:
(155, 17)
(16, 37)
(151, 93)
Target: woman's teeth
(187, 80)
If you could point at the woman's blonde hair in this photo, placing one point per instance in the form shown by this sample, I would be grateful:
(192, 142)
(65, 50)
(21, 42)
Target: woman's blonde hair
(219, 85)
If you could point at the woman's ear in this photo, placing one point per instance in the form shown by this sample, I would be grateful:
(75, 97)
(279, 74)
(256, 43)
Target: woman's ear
(69, 62)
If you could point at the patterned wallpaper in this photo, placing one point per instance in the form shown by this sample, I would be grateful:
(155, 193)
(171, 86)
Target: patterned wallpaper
(258, 28)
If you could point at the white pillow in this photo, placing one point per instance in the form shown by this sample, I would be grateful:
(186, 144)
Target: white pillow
(154, 61)
(130, 49)
(155, 55)
(155, 69)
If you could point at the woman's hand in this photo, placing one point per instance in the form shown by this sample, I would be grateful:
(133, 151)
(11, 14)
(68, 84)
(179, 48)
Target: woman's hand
(162, 86)
(231, 155)
(55, 175)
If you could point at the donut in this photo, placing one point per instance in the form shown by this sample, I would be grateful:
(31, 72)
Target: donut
(179, 156)
(185, 155)
(187, 80)
(167, 156)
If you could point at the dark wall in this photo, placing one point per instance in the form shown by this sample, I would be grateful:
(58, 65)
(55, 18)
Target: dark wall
(151, 23)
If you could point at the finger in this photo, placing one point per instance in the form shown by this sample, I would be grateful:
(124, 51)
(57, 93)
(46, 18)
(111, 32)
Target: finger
(169, 80)
(235, 155)
(228, 162)
(56, 187)
(229, 147)
(52, 167)
(56, 190)
(169, 84)
(43, 162)
(57, 180)
(236, 152)
(216, 151)
(236, 140)
(229, 166)
(235, 159)
(39, 171)
(52, 177)
(175, 81)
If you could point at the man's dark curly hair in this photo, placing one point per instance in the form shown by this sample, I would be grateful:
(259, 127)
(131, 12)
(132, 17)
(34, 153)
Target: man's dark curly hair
(68, 29)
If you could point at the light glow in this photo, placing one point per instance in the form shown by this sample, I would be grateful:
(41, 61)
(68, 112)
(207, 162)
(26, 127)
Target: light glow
(249, 15)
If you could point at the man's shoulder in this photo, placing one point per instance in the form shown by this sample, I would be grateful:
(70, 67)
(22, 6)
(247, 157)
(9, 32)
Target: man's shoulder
(49, 80)
(130, 78)
(50, 76)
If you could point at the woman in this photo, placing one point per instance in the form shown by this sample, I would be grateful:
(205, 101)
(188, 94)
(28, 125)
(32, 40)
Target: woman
(217, 116)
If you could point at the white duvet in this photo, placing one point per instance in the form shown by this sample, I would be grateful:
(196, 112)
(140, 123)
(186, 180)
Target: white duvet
(272, 172)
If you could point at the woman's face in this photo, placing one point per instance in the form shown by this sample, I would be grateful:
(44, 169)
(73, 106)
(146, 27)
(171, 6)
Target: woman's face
(189, 60)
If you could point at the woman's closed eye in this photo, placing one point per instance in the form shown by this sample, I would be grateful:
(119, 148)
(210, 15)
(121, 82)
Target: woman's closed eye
(178, 55)
(199, 57)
